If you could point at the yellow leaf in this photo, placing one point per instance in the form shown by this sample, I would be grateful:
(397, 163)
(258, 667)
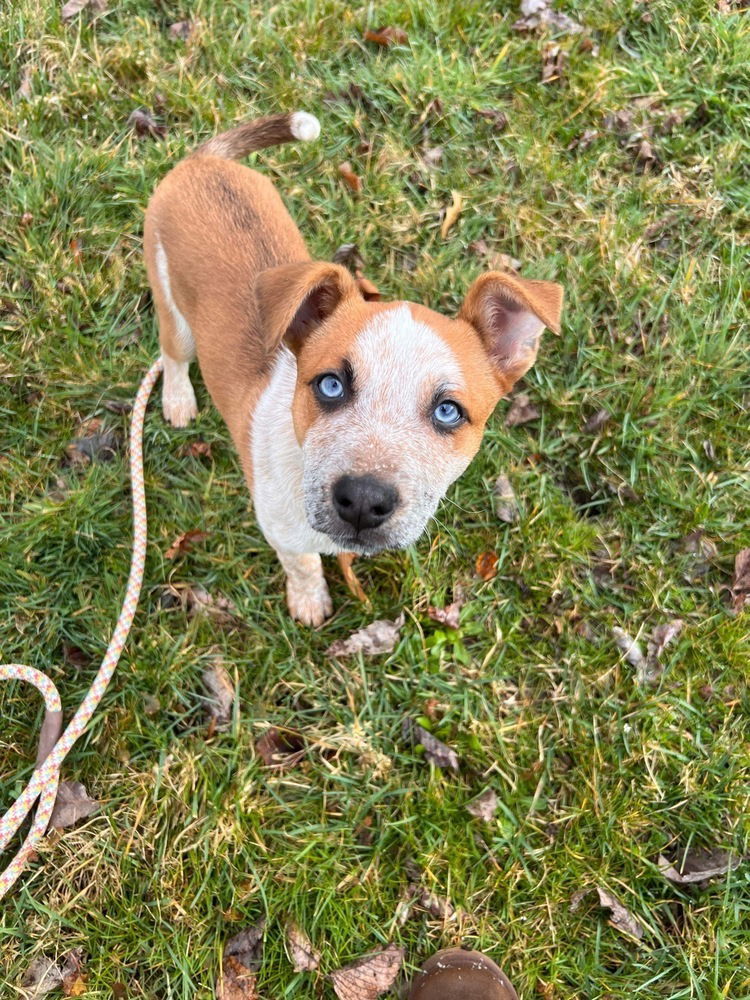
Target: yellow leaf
(452, 213)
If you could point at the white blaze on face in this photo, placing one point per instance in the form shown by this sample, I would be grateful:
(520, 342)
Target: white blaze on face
(386, 431)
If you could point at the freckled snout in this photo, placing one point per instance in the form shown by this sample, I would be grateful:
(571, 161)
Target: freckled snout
(364, 501)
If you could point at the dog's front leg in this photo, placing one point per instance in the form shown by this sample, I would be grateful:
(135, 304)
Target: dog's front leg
(306, 589)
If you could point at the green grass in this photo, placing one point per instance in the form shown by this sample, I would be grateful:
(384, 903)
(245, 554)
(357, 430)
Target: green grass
(595, 775)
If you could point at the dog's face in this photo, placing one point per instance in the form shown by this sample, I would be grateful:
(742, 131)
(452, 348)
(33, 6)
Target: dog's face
(392, 398)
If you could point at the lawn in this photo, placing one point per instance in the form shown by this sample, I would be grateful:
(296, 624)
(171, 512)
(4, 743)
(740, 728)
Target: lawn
(625, 177)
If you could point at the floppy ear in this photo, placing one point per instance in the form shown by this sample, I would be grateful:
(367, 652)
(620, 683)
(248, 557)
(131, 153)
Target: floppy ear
(294, 299)
(509, 314)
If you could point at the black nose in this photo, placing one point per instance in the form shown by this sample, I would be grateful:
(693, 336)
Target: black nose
(364, 501)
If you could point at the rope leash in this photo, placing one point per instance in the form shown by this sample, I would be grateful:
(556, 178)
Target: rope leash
(53, 748)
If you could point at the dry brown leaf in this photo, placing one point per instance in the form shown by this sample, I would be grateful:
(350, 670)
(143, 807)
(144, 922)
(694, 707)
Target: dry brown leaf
(72, 803)
(540, 14)
(346, 561)
(222, 694)
(377, 638)
(367, 978)
(584, 140)
(118, 406)
(241, 961)
(553, 63)
(438, 907)
(596, 421)
(96, 445)
(185, 542)
(452, 213)
(349, 256)
(196, 449)
(521, 411)
(435, 750)
(182, 30)
(73, 7)
(145, 125)
(741, 582)
(387, 36)
(619, 916)
(300, 950)
(486, 565)
(448, 616)
(484, 806)
(495, 116)
(629, 647)
(119, 991)
(281, 747)
(41, 977)
(353, 181)
(504, 500)
(197, 601)
(661, 638)
(698, 865)
(73, 974)
(24, 91)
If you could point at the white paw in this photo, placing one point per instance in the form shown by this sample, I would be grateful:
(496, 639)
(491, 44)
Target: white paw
(310, 604)
(179, 408)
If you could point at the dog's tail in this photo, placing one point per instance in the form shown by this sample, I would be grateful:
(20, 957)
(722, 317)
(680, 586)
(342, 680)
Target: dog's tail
(262, 132)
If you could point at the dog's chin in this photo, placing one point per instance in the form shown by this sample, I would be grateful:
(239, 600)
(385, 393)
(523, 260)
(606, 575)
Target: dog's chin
(363, 543)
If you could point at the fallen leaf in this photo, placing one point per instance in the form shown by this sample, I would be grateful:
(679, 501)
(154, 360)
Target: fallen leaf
(741, 582)
(196, 600)
(698, 865)
(73, 974)
(553, 63)
(435, 751)
(73, 7)
(24, 90)
(346, 564)
(119, 991)
(196, 449)
(72, 803)
(377, 638)
(352, 180)
(119, 406)
(645, 155)
(26, 219)
(521, 411)
(185, 542)
(629, 647)
(75, 656)
(486, 565)
(495, 117)
(367, 978)
(439, 907)
(281, 747)
(432, 157)
(182, 30)
(448, 616)
(145, 125)
(241, 961)
(596, 421)
(540, 14)
(504, 262)
(661, 638)
(299, 947)
(484, 806)
(41, 977)
(504, 500)
(387, 36)
(349, 256)
(452, 213)
(222, 694)
(619, 917)
(95, 446)
(584, 140)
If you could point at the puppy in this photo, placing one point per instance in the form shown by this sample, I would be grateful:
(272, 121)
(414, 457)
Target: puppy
(351, 418)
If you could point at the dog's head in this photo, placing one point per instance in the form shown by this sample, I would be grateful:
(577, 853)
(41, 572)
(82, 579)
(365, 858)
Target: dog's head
(392, 398)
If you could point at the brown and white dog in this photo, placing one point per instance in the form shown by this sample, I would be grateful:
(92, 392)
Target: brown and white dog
(351, 418)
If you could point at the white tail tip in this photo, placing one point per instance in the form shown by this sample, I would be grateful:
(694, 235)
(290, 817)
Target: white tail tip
(303, 126)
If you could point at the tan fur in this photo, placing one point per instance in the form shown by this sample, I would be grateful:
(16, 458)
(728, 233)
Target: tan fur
(233, 282)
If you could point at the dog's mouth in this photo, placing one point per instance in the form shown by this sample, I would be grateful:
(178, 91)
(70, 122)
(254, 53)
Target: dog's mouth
(364, 543)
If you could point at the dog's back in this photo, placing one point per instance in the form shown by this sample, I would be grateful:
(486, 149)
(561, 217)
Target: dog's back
(213, 225)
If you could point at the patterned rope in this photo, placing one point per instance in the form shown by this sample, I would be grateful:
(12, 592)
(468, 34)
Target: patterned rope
(52, 751)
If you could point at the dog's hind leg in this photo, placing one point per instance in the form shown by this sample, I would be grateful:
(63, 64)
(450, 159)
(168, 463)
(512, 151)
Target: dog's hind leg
(306, 589)
(177, 343)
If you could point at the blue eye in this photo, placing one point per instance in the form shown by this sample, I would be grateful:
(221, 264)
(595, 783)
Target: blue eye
(447, 414)
(330, 387)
